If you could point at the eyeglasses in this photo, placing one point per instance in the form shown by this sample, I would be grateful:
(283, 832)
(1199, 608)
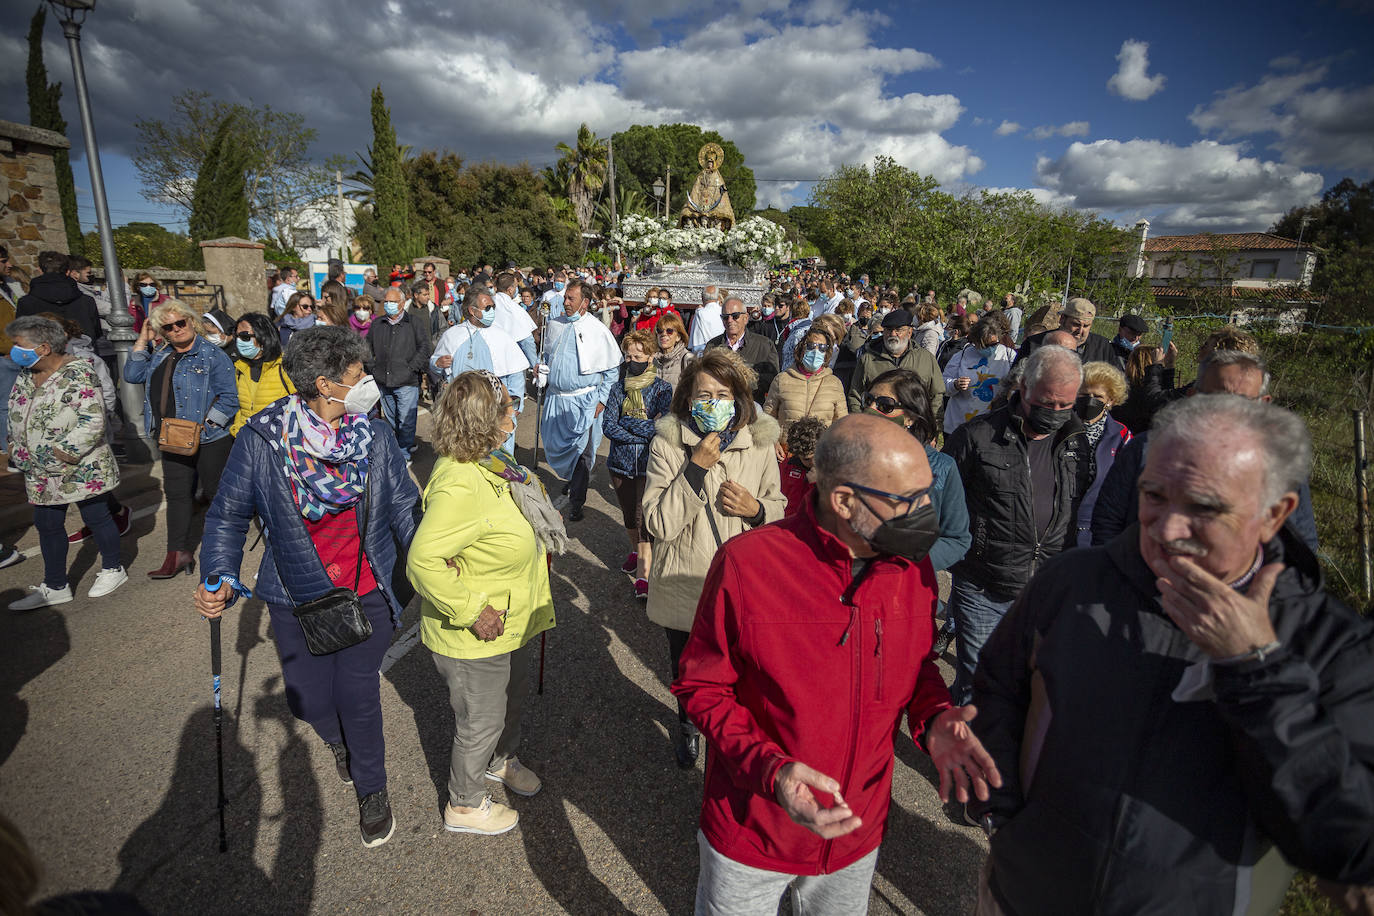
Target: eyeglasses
(429, 273)
(732, 316)
(812, 348)
(883, 403)
(174, 326)
(245, 336)
(918, 498)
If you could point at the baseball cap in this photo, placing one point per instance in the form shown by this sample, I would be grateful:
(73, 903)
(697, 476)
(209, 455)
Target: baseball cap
(1079, 308)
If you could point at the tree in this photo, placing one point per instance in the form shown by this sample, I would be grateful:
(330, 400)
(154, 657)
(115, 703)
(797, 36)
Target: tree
(643, 153)
(280, 178)
(45, 111)
(392, 239)
(144, 245)
(627, 201)
(1341, 228)
(219, 202)
(582, 169)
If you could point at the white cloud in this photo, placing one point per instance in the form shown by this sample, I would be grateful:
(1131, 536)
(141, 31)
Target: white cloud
(1070, 129)
(1315, 125)
(1207, 185)
(1131, 80)
(1007, 127)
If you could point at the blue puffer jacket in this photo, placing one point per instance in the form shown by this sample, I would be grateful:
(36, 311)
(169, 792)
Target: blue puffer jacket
(254, 481)
(203, 384)
(630, 437)
(947, 491)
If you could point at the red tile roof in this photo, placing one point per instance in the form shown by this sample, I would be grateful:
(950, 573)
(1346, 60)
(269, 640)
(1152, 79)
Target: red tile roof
(1262, 293)
(1240, 241)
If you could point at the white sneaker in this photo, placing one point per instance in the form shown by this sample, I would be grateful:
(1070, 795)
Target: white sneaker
(106, 581)
(42, 596)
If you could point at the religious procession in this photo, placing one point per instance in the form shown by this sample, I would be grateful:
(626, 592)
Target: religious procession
(702, 575)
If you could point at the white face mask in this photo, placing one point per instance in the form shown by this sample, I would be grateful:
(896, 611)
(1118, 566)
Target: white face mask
(216, 339)
(653, 301)
(362, 397)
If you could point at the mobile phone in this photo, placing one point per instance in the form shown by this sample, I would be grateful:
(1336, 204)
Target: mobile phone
(1168, 336)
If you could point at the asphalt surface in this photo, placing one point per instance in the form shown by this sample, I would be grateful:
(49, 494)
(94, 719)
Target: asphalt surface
(107, 757)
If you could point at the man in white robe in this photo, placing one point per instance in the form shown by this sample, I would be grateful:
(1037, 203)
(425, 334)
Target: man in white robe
(476, 343)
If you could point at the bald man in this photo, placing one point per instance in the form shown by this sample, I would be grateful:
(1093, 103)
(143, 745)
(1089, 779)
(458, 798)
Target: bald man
(812, 637)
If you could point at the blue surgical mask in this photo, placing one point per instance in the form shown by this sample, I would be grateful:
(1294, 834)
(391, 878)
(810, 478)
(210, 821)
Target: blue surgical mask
(813, 360)
(149, 291)
(1128, 344)
(713, 415)
(247, 349)
(558, 285)
(488, 316)
(988, 352)
(572, 316)
(392, 309)
(23, 357)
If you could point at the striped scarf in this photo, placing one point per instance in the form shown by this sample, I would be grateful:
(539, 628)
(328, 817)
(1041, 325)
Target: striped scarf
(327, 468)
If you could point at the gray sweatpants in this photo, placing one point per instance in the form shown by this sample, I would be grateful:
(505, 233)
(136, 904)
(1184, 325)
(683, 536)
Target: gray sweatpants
(487, 696)
(728, 888)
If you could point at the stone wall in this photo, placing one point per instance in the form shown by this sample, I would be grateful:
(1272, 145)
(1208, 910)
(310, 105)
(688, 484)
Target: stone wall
(237, 267)
(30, 211)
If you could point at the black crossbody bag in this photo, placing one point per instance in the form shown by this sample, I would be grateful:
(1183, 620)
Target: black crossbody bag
(336, 619)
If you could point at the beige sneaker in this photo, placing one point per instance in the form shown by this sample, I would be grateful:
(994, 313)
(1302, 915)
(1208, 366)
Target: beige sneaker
(489, 819)
(516, 777)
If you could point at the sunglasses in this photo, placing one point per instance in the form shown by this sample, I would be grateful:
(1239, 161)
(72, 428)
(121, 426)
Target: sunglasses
(174, 326)
(733, 316)
(245, 336)
(306, 306)
(812, 348)
(882, 402)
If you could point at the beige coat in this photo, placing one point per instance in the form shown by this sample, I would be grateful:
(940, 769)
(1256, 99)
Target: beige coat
(671, 364)
(676, 515)
(793, 396)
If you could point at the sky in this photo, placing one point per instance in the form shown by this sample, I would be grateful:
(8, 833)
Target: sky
(1199, 116)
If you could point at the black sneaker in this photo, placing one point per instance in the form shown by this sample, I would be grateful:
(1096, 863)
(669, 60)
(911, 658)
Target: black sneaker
(341, 762)
(375, 820)
(576, 514)
(942, 638)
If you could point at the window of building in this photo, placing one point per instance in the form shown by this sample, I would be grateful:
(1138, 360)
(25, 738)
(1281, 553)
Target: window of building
(1264, 270)
(306, 237)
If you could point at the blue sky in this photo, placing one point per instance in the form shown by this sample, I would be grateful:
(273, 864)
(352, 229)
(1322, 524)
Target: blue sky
(1219, 116)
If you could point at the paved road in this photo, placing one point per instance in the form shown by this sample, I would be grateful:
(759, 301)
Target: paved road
(107, 762)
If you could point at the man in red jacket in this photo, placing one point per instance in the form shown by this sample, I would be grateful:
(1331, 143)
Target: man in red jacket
(812, 637)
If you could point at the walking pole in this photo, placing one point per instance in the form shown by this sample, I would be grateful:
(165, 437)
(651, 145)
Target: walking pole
(213, 585)
(543, 638)
(539, 397)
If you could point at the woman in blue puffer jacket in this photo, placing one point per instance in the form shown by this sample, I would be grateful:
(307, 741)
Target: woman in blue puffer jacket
(326, 481)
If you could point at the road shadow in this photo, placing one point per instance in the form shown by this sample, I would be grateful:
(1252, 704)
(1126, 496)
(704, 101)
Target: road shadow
(33, 642)
(173, 857)
(941, 885)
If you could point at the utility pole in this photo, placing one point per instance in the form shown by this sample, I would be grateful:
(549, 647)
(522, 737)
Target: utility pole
(668, 193)
(343, 236)
(610, 170)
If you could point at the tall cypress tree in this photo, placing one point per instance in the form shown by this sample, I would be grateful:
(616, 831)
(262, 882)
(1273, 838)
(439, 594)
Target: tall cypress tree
(393, 242)
(45, 111)
(219, 201)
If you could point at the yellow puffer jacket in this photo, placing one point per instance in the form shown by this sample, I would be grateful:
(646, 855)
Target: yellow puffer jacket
(471, 520)
(272, 385)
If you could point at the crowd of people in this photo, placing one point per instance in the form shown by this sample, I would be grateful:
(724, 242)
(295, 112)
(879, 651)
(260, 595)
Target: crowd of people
(1156, 706)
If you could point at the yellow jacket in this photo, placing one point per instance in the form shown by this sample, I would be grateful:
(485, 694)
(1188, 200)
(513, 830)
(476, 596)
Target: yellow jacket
(273, 384)
(472, 520)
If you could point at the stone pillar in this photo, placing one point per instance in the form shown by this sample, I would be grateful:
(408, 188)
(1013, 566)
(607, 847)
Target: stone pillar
(440, 266)
(237, 266)
(30, 210)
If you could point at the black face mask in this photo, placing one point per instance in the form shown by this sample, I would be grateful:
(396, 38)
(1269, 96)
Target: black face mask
(910, 536)
(1088, 408)
(1043, 420)
(633, 367)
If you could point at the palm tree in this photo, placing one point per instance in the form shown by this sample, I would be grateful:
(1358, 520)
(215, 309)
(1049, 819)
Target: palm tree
(362, 178)
(628, 201)
(585, 168)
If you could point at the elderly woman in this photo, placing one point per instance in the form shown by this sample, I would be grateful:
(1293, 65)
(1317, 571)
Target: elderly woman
(973, 373)
(259, 376)
(364, 309)
(672, 356)
(480, 562)
(930, 328)
(299, 315)
(334, 497)
(57, 438)
(1104, 387)
(635, 403)
(712, 474)
(808, 388)
(189, 379)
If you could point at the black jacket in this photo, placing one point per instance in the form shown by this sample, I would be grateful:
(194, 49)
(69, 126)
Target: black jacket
(400, 351)
(1096, 349)
(1119, 797)
(760, 355)
(1145, 399)
(994, 465)
(59, 294)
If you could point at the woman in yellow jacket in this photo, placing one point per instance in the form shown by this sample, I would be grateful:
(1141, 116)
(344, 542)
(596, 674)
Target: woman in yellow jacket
(258, 372)
(479, 560)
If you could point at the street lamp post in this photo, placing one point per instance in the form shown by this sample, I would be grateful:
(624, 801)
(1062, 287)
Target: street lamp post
(658, 195)
(72, 13)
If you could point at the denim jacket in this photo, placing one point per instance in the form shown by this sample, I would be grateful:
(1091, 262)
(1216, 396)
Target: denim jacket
(203, 384)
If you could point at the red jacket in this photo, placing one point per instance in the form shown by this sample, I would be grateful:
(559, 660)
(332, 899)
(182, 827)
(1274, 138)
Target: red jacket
(647, 320)
(780, 668)
(795, 486)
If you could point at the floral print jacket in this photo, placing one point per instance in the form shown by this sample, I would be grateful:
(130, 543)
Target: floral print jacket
(65, 414)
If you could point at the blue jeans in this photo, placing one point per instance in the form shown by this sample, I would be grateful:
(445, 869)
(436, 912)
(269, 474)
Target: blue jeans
(9, 374)
(340, 695)
(401, 406)
(976, 613)
(52, 536)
